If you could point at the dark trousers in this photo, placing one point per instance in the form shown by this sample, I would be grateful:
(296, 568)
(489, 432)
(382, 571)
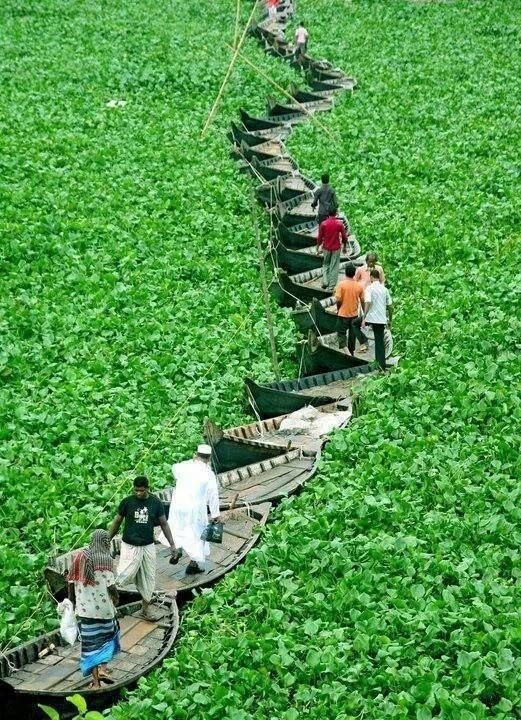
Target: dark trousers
(350, 326)
(379, 344)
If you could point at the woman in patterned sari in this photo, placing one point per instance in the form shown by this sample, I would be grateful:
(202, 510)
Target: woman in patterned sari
(92, 588)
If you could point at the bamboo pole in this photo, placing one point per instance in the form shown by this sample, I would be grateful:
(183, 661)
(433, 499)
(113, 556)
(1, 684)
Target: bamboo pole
(229, 71)
(278, 87)
(264, 285)
(237, 20)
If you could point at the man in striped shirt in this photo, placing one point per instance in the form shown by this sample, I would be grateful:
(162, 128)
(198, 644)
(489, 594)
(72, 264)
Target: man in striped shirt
(378, 307)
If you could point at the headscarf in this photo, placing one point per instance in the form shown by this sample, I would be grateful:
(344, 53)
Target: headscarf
(94, 557)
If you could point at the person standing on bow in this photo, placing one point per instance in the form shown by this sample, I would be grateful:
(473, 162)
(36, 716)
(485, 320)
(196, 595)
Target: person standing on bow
(349, 301)
(363, 273)
(325, 198)
(332, 237)
(141, 512)
(301, 41)
(92, 589)
(272, 9)
(378, 306)
(195, 491)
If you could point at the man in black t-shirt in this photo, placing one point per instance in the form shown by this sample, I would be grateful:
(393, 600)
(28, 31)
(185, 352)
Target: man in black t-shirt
(141, 512)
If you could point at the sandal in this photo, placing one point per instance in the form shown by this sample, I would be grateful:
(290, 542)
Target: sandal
(174, 559)
(105, 675)
(93, 686)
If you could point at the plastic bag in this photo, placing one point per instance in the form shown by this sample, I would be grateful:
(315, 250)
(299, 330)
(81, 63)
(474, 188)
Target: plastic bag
(213, 532)
(68, 624)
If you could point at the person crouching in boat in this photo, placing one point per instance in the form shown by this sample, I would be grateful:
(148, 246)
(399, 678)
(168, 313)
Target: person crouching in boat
(141, 512)
(195, 491)
(92, 589)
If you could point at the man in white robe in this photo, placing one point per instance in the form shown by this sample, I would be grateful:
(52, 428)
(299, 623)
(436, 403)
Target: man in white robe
(195, 491)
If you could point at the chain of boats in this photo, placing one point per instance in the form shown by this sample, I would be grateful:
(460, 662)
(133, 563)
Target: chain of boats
(260, 463)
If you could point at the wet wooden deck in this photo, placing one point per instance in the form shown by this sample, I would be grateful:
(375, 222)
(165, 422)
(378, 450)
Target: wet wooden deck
(143, 645)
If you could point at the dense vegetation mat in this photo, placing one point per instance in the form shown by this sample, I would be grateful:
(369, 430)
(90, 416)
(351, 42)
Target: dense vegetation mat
(391, 587)
(130, 307)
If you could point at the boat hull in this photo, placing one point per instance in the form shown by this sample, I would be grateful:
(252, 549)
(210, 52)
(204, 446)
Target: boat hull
(281, 398)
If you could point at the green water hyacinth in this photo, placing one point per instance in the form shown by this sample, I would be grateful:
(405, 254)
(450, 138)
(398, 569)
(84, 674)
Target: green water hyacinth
(390, 587)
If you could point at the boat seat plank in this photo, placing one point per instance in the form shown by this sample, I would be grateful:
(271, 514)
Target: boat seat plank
(49, 660)
(50, 676)
(237, 534)
(267, 490)
(304, 463)
(221, 555)
(141, 630)
(253, 481)
(74, 681)
(127, 623)
(138, 650)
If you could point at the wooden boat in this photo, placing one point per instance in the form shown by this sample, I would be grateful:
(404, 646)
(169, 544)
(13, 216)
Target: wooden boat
(304, 234)
(297, 210)
(251, 122)
(280, 398)
(298, 236)
(334, 86)
(269, 432)
(238, 135)
(305, 259)
(303, 287)
(232, 453)
(254, 123)
(336, 76)
(292, 117)
(302, 95)
(318, 356)
(240, 534)
(311, 106)
(267, 481)
(263, 151)
(321, 317)
(327, 347)
(265, 30)
(270, 169)
(284, 187)
(279, 48)
(55, 675)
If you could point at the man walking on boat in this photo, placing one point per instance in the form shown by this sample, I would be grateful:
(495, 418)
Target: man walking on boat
(377, 306)
(301, 41)
(325, 198)
(195, 491)
(349, 301)
(141, 512)
(332, 237)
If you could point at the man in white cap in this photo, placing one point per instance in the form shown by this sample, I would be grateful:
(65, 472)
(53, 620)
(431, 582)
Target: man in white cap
(195, 491)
